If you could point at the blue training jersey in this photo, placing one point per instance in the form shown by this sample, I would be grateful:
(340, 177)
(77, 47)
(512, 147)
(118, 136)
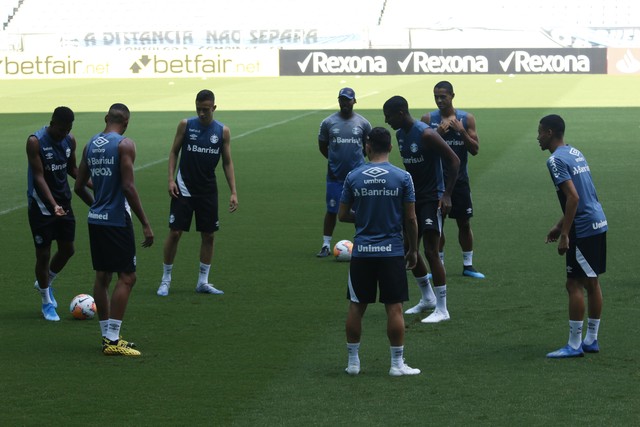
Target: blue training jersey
(346, 143)
(54, 156)
(199, 156)
(424, 164)
(454, 140)
(568, 163)
(377, 193)
(110, 206)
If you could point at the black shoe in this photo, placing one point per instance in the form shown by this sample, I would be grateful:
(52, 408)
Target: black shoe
(324, 252)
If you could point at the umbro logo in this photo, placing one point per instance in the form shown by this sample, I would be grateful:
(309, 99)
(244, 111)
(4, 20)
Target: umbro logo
(100, 141)
(428, 221)
(375, 172)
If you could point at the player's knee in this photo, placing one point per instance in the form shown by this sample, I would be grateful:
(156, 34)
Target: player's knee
(128, 279)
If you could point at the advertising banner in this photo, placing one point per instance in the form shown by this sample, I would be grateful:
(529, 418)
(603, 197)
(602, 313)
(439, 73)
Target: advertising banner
(102, 63)
(442, 61)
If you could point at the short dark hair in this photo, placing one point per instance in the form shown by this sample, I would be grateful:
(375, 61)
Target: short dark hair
(118, 113)
(396, 104)
(205, 95)
(444, 85)
(63, 115)
(379, 139)
(555, 123)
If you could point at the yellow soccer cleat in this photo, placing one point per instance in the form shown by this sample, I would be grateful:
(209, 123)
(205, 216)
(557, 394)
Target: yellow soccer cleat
(118, 348)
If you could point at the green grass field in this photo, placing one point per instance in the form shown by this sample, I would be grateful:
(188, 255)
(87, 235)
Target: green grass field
(271, 351)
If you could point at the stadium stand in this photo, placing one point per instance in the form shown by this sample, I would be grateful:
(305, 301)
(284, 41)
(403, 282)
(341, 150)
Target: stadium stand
(510, 14)
(19, 16)
(7, 10)
(127, 15)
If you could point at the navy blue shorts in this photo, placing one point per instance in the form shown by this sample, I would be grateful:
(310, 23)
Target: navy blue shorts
(47, 228)
(461, 204)
(387, 273)
(205, 209)
(334, 192)
(587, 256)
(113, 249)
(429, 217)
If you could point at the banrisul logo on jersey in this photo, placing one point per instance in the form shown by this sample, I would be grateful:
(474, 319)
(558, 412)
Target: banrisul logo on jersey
(442, 61)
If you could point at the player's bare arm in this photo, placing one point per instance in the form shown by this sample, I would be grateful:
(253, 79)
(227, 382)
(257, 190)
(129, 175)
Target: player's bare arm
(410, 235)
(82, 179)
(345, 214)
(127, 152)
(227, 166)
(324, 148)
(570, 209)
(470, 135)
(434, 140)
(33, 156)
(174, 153)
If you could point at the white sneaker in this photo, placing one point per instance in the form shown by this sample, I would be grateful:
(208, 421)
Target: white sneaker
(163, 290)
(436, 317)
(206, 288)
(398, 371)
(352, 369)
(421, 307)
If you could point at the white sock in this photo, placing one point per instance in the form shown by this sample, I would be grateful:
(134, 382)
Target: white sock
(397, 356)
(467, 258)
(441, 297)
(575, 333)
(425, 287)
(113, 329)
(352, 350)
(52, 277)
(326, 241)
(104, 327)
(204, 273)
(166, 272)
(592, 331)
(44, 293)
(441, 255)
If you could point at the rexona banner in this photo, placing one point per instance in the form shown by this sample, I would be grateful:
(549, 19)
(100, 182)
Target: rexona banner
(443, 61)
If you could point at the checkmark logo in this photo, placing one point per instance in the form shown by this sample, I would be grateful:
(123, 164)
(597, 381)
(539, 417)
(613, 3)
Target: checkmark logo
(304, 64)
(404, 64)
(505, 64)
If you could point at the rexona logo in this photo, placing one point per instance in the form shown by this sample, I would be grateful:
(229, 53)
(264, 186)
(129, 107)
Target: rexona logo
(320, 62)
(421, 62)
(521, 61)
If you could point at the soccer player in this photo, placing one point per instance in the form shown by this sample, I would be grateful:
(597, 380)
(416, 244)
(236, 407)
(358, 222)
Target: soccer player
(581, 234)
(200, 143)
(108, 159)
(423, 151)
(380, 199)
(458, 129)
(51, 154)
(341, 142)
